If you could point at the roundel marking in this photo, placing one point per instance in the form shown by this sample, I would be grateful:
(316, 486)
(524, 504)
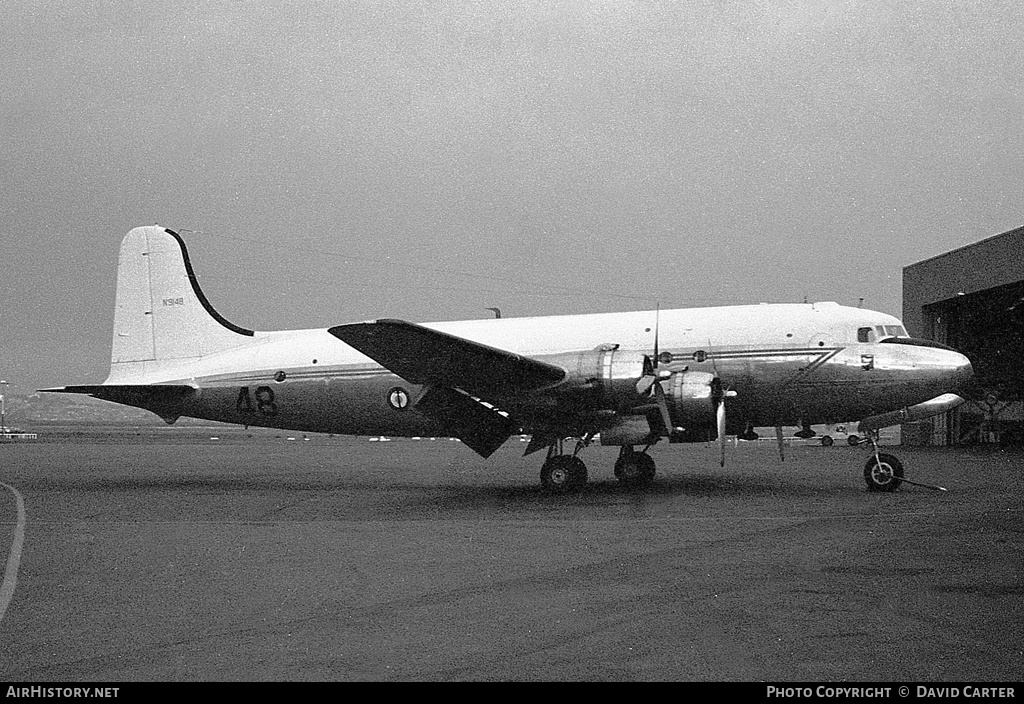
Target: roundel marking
(398, 398)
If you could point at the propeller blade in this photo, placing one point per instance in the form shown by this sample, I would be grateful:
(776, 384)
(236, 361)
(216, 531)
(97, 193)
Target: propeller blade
(657, 320)
(651, 373)
(782, 445)
(659, 393)
(720, 413)
(645, 383)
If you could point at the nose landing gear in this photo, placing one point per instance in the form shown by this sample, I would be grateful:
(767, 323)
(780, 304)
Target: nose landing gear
(883, 472)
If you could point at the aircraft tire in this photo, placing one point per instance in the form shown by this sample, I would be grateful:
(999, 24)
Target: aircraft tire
(826, 441)
(563, 473)
(883, 474)
(853, 441)
(635, 469)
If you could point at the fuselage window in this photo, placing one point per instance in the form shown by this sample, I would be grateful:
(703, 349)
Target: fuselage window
(863, 334)
(895, 331)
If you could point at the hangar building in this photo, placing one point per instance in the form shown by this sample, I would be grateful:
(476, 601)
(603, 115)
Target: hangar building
(972, 299)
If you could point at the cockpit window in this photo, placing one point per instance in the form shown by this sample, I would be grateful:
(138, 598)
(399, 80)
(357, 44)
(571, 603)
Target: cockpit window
(880, 332)
(885, 331)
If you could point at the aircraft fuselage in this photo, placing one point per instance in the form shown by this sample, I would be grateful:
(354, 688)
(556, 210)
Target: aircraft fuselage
(786, 363)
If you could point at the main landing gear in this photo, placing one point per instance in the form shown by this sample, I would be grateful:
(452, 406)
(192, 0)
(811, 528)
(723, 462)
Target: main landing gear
(562, 473)
(634, 468)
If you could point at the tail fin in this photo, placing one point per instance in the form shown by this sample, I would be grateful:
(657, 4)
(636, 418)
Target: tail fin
(162, 317)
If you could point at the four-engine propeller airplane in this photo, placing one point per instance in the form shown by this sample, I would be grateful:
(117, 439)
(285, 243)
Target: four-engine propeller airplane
(632, 379)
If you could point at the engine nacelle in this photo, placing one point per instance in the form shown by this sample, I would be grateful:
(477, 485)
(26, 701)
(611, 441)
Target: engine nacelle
(602, 378)
(692, 399)
(606, 379)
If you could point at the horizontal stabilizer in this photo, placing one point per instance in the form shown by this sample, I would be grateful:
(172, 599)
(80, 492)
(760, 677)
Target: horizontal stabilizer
(421, 355)
(165, 400)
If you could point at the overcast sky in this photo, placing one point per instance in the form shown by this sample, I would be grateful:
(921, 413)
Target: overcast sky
(338, 161)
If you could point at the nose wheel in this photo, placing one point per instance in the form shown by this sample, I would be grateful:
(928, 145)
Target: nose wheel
(883, 472)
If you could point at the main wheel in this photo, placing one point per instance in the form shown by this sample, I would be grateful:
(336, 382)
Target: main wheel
(563, 473)
(826, 441)
(883, 473)
(635, 469)
(853, 440)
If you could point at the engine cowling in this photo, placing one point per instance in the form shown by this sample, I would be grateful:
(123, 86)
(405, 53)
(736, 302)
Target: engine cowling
(692, 403)
(692, 399)
(606, 379)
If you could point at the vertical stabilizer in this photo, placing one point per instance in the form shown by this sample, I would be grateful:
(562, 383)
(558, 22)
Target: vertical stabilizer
(162, 319)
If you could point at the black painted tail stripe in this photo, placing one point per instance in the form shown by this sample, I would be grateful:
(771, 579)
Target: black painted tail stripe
(199, 291)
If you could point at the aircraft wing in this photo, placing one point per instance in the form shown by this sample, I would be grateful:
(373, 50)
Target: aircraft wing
(424, 356)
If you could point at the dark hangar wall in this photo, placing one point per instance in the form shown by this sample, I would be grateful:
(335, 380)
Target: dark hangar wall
(973, 299)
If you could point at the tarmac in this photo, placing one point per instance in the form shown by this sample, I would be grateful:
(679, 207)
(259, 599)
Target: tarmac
(182, 558)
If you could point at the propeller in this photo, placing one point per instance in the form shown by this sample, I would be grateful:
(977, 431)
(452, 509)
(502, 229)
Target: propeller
(650, 370)
(719, 394)
(652, 376)
(720, 417)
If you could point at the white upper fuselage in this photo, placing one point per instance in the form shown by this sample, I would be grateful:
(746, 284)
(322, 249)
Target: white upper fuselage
(751, 328)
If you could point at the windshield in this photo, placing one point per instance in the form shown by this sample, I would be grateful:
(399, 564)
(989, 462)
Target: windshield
(880, 332)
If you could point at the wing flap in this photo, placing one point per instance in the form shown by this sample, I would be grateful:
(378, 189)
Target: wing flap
(481, 429)
(421, 355)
